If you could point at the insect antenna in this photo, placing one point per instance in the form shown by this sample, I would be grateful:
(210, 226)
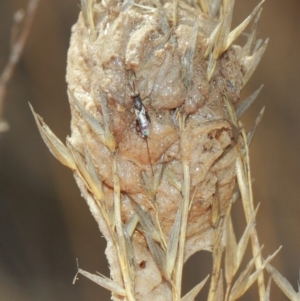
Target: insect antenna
(149, 156)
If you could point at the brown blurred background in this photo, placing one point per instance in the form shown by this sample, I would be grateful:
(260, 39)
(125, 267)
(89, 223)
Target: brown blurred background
(45, 224)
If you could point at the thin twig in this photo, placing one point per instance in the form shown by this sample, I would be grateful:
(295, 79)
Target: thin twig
(16, 51)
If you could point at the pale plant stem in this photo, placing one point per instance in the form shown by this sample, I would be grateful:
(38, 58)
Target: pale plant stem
(121, 245)
(254, 236)
(183, 227)
(247, 199)
(17, 49)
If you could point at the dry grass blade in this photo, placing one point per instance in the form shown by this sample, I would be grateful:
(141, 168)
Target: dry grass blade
(172, 245)
(56, 147)
(127, 4)
(246, 103)
(204, 4)
(244, 239)
(175, 12)
(81, 167)
(245, 186)
(95, 183)
(130, 227)
(212, 39)
(251, 38)
(211, 66)
(246, 280)
(173, 180)
(221, 42)
(217, 256)
(151, 184)
(147, 223)
(214, 7)
(215, 210)
(267, 295)
(129, 254)
(253, 129)
(219, 293)
(109, 139)
(238, 30)
(231, 111)
(231, 251)
(283, 283)
(241, 283)
(187, 59)
(191, 295)
(87, 11)
(92, 122)
(158, 255)
(122, 250)
(218, 38)
(183, 226)
(103, 281)
(252, 62)
(157, 177)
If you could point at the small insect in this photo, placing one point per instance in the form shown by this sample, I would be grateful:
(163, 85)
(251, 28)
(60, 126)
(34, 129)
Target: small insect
(142, 118)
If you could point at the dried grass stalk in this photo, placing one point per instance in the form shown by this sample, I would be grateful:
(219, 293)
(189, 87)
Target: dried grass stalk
(20, 31)
(163, 194)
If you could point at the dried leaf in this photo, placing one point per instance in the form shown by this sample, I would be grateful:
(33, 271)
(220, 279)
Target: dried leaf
(172, 245)
(104, 282)
(56, 147)
(233, 35)
(191, 295)
(283, 283)
(246, 103)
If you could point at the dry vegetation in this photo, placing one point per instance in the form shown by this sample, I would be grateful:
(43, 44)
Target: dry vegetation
(160, 197)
